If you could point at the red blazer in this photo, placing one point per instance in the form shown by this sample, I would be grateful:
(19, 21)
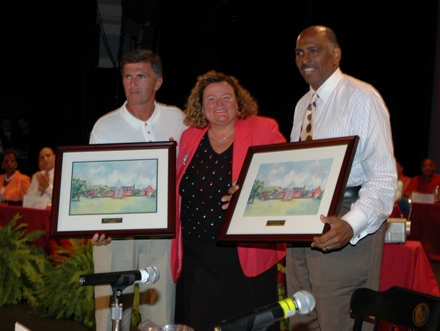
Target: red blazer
(252, 131)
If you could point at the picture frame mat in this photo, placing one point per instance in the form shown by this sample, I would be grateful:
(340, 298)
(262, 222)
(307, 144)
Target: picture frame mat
(308, 223)
(133, 221)
(143, 224)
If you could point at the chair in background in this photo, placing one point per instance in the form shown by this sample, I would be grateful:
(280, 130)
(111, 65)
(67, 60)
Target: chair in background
(405, 207)
(398, 306)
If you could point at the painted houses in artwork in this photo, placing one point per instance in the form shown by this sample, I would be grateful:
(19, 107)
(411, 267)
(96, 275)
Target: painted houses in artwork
(119, 191)
(292, 192)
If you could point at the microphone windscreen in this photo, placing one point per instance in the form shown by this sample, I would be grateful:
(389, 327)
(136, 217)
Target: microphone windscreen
(305, 302)
(153, 275)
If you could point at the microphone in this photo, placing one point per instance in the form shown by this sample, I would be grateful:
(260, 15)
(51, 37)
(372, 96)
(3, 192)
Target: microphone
(149, 275)
(302, 302)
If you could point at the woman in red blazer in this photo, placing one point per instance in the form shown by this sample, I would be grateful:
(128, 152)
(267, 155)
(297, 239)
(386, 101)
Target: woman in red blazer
(14, 185)
(218, 282)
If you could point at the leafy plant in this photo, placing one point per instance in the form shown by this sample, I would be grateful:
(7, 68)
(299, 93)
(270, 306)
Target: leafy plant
(52, 289)
(22, 265)
(136, 317)
(282, 291)
(62, 296)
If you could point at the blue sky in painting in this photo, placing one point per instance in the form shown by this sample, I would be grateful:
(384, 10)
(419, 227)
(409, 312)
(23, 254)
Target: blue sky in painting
(311, 173)
(141, 173)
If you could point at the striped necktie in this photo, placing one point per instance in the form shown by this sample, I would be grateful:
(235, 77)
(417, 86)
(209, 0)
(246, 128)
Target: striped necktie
(309, 120)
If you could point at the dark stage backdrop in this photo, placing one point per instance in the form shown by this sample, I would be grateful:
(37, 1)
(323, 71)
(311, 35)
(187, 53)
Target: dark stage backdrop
(256, 42)
(50, 58)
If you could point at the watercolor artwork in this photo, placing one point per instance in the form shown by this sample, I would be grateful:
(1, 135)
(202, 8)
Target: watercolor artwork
(114, 187)
(288, 188)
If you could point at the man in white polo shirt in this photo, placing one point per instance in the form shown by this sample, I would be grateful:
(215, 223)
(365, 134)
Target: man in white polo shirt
(140, 119)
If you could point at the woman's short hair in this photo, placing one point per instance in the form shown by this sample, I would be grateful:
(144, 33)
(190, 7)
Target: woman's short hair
(194, 116)
(10, 151)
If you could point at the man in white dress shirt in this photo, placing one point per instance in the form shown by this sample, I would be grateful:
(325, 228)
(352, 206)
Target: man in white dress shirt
(349, 255)
(140, 119)
(42, 181)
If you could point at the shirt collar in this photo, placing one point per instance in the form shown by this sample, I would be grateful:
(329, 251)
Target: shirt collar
(326, 89)
(50, 172)
(135, 122)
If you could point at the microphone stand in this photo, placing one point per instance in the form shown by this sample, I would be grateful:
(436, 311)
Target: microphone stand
(116, 306)
(119, 282)
(264, 320)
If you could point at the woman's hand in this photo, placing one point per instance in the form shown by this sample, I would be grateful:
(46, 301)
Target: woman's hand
(226, 198)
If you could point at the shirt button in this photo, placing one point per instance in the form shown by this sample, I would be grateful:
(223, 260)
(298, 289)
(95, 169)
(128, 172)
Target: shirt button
(148, 132)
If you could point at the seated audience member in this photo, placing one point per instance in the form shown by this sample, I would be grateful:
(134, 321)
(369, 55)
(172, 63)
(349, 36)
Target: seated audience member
(404, 179)
(21, 138)
(14, 184)
(42, 181)
(5, 134)
(21, 141)
(426, 182)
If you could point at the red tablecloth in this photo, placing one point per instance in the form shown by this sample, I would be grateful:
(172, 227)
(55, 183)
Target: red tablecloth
(36, 219)
(425, 227)
(406, 265)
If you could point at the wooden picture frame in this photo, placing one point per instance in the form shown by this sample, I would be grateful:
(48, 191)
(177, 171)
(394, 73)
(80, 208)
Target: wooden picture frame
(284, 188)
(120, 190)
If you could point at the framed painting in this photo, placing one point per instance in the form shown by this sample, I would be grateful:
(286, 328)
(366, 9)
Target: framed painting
(284, 188)
(121, 190)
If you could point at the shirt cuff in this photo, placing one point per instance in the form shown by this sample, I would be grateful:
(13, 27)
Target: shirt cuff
(358, 222)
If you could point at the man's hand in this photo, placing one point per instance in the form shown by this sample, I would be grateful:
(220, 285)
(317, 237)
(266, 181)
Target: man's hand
(43, 181)
(226, 198)
(99, 240)
(338, 236)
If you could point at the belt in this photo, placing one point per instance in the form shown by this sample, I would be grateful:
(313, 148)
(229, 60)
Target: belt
(352, 192)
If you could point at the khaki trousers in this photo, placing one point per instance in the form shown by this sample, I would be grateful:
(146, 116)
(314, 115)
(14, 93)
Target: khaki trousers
(331, 278)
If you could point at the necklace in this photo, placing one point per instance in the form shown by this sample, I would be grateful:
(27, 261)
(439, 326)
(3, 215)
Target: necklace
(220, 142)
(8, 179)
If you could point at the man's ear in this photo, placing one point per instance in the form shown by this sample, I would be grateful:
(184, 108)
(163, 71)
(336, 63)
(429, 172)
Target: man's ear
(159, 82)
(337, 54)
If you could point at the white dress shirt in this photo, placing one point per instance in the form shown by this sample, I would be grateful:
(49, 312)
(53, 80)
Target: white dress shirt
(47, 193)
(346, 107)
